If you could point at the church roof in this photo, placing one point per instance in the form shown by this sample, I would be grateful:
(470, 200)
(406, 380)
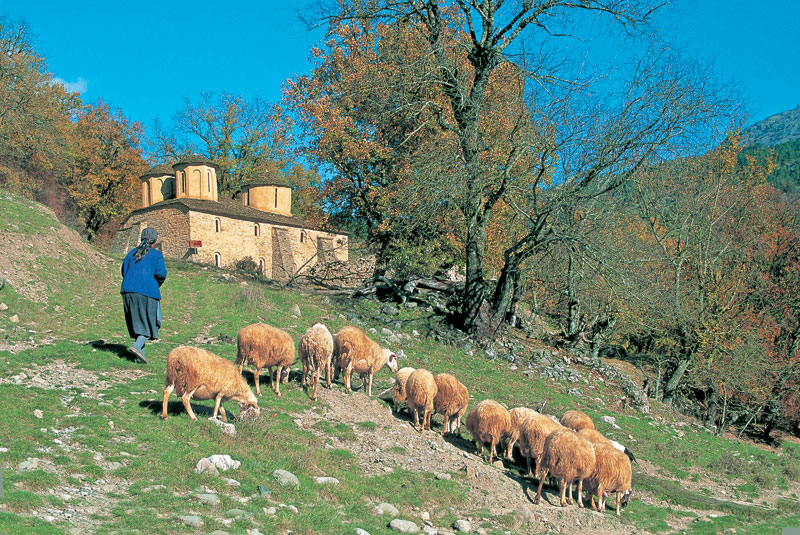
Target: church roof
(195, 159)
(159, 170)
(229, 208)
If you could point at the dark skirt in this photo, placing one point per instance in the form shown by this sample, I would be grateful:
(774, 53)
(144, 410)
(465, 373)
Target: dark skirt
(142, 314)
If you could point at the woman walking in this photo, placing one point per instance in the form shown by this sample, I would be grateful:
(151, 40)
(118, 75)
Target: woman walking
(143, 272)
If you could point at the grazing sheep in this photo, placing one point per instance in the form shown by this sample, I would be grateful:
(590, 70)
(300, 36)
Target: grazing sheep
(420, 393)
(264, 346)
(518, 417)
(576, 420)
(568, 457)
(199, 374)
(400, 379)
(593, 435)
(612, 473)
(532, 435)
(451, 401)
(355, 352)
(489, 422)
(316, 350)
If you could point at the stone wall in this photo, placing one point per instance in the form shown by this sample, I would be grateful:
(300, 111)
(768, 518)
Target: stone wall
(172, 225)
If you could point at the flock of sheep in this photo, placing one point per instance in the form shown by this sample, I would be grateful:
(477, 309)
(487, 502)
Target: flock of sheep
(570, 450)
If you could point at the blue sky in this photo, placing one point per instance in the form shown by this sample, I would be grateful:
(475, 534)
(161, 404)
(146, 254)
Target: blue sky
(143, 58)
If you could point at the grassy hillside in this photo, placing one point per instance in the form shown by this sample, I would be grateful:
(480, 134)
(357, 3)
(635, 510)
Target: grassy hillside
(98, 459)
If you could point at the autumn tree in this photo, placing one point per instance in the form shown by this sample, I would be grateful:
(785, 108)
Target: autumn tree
(104, 176)
(35, 116)
(248, 139)
(597, 144)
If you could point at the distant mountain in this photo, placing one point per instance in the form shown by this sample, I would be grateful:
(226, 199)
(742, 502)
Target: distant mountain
(773, 130)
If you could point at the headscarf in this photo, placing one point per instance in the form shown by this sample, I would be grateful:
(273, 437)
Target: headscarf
(149, 237)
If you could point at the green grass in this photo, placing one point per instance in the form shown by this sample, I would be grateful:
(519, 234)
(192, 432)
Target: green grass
(86, 322)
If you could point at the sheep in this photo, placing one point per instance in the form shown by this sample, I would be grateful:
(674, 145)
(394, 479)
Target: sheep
(518, 416)
(264, 346)
(612, 473)
(316, 350)
(576, 420)
(532, 435)
(400, 379)
(489, 422)
(356, 352)
(568, 457)
(199, 374)
(420, 393)
(594, 436)
(451, 401)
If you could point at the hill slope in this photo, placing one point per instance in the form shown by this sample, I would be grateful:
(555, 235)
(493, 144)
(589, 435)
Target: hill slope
(84, 451)
(775, 129)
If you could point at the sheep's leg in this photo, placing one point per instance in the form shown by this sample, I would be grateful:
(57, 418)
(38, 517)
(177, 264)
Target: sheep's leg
(303, 383)
(185, 399)
(479, 448)
(619, 502)
(569, 497)
(530, 472)
(315, 381)
(596, 507)
(562, 487)
(328, 374)
(580, 493)
(167, 392)
(492, 450)
(256, 373)
(217, 407)
(276, 384)
(538, 498)
(369, 388)
(415, 414)
(347, 371)
(510, 449)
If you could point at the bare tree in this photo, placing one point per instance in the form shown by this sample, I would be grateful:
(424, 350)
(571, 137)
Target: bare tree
(597, 145)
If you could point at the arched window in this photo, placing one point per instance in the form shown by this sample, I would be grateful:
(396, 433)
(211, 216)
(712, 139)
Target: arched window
(183, 183)
(209, 181)
(217, 260)
(148, 197)
(276, 197)
(302, 236)
(257, 230)
(217, 225)
(261, 265)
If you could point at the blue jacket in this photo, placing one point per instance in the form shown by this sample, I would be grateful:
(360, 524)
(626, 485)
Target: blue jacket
(145, 276)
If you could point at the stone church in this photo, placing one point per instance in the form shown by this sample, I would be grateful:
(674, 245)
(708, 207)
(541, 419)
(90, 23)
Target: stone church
(182, 203)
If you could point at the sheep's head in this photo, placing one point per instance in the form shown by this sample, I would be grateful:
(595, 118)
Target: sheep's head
(626, 498)
(248, 405)
(391, 360)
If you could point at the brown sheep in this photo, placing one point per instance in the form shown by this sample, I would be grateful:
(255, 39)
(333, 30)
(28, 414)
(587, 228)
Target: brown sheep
(577, 420)
(355, 352)
(400, 379)
(518, 417)
(195, 373)
(451, 401)
(316, 350)
(612, 473)
(489, 422)
(593, 435)
(532, 435)
(567, 457)
(264, 346)
(420, 393)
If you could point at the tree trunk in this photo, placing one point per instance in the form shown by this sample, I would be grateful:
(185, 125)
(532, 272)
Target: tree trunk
(675, 380)
(474, 287)
(573, 308)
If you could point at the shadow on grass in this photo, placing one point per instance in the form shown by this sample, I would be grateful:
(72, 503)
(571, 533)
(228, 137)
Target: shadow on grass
(175, 408)
(120, 350)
